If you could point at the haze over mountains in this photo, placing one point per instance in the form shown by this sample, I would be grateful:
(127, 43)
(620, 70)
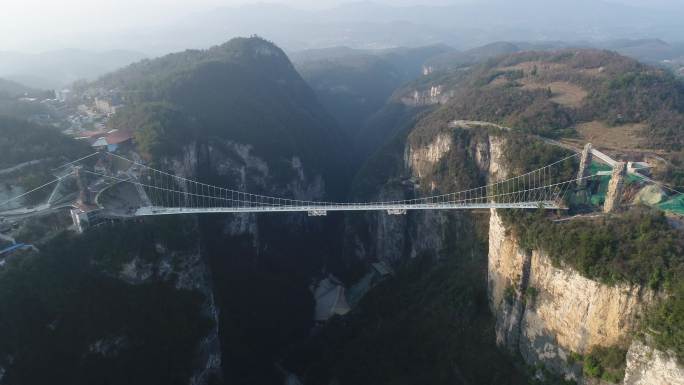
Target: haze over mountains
(55, 69)
(376, 25)
(86, 51)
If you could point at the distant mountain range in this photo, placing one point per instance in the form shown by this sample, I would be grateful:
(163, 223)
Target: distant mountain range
(56, 69)
(375, 25)
(370, 25)
(653, 51)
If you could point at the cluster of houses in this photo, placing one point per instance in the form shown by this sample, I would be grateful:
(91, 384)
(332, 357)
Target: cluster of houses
(109, 140)
(89, 120)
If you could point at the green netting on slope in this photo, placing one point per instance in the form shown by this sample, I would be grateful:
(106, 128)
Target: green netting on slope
(675, 205)
(599, 196)
(596, 167)
(631, 178)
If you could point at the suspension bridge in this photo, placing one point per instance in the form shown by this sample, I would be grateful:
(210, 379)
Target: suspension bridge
(162, 193)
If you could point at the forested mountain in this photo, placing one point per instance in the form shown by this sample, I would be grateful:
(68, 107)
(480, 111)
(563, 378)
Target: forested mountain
(21, 141)
(244, 91)
(29, 153)
(71, 313)
(559, 93)
(11, 104)
(576, 94)
(239, 115)
(10, 89)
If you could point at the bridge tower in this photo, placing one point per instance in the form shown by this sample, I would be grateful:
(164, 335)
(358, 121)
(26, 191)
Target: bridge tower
(585, 162)
(614, 193)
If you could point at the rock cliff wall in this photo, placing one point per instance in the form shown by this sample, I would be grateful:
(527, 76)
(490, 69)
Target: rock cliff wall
(548, 314)
(227, 163)
(446, 161)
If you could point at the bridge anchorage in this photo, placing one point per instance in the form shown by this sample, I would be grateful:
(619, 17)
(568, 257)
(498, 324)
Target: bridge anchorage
(157, 192)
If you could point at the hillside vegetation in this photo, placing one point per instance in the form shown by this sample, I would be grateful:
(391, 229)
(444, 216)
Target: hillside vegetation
(66, 317)
(10, 89)
(21, 141)
(11, 105)
(551, 93)
(244, 91)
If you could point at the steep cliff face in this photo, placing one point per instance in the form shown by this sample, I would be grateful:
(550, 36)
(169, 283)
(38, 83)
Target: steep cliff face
(548, 313)
(236, 165)
(451, 160)
(421, 159)
(392, 238)
(553, 315)
(241, 250)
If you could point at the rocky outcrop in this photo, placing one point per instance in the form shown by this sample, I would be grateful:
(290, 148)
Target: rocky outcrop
(421, 160)
(392, 238)
(506, 265)
(428, 97)
(546, 313)
(649, 366)
(241, 169)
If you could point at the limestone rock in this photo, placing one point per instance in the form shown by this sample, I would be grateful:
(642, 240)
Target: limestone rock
(650, 195)
(569, 313)
(649, 366)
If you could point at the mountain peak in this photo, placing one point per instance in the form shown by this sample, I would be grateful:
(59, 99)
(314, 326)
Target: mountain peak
(253, 45)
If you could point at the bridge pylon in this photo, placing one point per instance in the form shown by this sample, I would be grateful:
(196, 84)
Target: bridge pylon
(585, 162)
(614, 193)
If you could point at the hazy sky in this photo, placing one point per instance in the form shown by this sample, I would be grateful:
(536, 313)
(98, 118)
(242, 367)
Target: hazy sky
(36, 25)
